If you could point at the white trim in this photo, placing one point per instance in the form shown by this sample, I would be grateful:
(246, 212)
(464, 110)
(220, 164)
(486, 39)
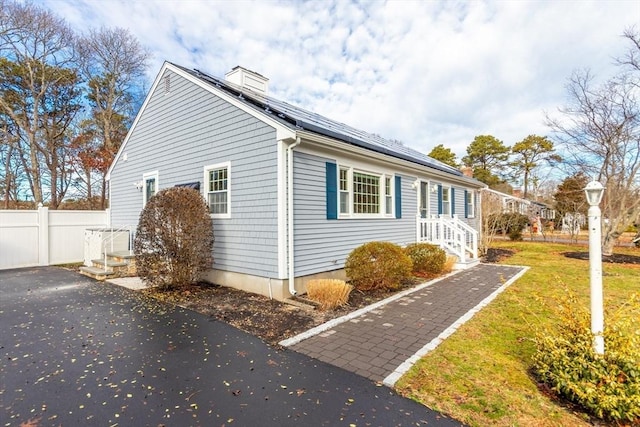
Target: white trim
(447, 189)
(427, 196)
(367, 170)
(145, 177)
(205, 173)
(282, 132)
(282, 209)
(471, 213)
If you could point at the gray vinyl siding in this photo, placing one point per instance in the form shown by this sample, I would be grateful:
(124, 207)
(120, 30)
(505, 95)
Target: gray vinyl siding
(323, 245)
(182, 131)
(459, 201)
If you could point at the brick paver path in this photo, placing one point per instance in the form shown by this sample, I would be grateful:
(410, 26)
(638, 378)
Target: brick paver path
(378, 342)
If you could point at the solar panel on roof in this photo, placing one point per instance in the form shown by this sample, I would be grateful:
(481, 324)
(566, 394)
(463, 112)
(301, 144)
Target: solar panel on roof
(313, 122)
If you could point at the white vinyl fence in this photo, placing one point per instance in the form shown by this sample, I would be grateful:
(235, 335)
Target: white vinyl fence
(44, 237)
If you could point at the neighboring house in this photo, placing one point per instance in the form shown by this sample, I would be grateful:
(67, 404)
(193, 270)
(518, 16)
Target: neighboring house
(291, 193)
(535, 211)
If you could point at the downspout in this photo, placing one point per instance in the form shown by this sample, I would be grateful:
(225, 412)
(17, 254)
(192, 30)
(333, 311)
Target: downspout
(291, 275)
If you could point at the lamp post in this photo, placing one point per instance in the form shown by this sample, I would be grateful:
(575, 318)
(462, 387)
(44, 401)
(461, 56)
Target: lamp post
(594, 191)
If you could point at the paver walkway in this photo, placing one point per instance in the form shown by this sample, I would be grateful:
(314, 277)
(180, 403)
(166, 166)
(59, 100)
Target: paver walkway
(383, 343)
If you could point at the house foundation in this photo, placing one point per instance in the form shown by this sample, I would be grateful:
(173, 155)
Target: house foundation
(277, 289)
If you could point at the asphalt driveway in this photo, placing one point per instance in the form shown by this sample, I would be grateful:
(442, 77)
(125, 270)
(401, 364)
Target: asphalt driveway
(78, 352)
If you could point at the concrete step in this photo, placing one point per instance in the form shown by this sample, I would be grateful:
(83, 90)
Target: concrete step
(96, 273)
(467, 264)
(111, 264)
(121, 255)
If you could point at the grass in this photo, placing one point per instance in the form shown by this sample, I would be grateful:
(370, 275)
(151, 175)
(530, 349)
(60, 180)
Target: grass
(480, 375)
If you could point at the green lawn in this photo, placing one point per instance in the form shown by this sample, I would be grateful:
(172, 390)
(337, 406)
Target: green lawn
(480, 374)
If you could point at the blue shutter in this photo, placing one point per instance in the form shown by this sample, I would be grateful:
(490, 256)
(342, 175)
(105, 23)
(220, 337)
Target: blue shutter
(398, 189)
(466, 205)
(453, 201)
(332, 191)
(439, 199)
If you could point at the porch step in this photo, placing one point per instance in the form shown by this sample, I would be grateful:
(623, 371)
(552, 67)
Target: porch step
(110, 264)
(469, 263)
(121, 255)
(96, 273)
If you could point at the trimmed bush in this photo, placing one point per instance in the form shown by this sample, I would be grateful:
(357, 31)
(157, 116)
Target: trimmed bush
(378, 265)
(174, 239)
(428, 260)
(607, 386)
(329, 293)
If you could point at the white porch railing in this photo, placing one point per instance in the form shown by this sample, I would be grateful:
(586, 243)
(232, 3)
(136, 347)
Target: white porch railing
(449, 233)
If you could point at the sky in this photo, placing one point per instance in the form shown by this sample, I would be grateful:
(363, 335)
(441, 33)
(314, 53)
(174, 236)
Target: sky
(422, 72)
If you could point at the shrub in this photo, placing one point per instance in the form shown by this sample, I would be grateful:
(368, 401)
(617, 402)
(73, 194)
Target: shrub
(378, 265)
(174, 238)
(329, 293)
(608, 386)
(511, 224)
(428, 260)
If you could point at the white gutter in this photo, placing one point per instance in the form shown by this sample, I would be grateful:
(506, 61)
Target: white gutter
(291, 275)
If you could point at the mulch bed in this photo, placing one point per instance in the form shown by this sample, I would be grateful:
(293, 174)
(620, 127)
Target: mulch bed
(268, 319)
(495, 255)
(615, 258)
(274, 321)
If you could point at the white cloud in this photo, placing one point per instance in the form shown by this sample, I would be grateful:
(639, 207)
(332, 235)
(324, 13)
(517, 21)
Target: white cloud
(426, 73)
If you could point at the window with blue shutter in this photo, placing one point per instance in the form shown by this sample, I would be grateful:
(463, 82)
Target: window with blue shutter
(332, 190)
(439, 199)
(398, 191)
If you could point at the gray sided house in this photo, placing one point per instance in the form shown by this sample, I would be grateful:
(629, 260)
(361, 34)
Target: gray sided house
(290, 192)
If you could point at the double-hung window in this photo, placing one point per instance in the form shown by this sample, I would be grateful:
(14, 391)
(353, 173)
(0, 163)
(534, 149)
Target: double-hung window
(345, 194)
(217, 180)
(470, 208)
(388, 198)
(366, 194)
(446, 201)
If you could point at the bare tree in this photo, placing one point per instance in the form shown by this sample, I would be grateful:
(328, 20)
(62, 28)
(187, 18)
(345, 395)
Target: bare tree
(600, 131)
(114, 63)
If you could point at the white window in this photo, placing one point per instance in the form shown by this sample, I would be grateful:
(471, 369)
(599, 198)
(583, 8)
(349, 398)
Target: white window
(388, 198)
(471, 209)
(425, 190)
(344, 191)
(149, 186)
(446, 200)
(218, 190)
(364, 193)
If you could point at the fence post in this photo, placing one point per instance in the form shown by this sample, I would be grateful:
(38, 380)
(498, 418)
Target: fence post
(43, 235)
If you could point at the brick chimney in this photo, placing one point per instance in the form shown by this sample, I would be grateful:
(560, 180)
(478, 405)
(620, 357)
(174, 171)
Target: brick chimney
(248, 79)
(467, 171)
(517, 193)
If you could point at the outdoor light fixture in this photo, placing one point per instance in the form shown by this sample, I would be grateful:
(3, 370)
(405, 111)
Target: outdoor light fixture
(415, 184)
(594, 191)
(434, 188)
